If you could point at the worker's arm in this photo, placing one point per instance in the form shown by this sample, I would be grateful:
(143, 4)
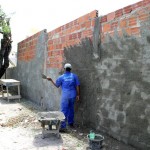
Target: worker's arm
(78, 92)
(50, 79)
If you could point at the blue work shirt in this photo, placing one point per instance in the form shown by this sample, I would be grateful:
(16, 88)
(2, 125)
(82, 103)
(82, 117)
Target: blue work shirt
(68, 82)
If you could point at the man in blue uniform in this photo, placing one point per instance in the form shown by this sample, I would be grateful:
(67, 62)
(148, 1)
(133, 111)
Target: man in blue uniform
(70, 86)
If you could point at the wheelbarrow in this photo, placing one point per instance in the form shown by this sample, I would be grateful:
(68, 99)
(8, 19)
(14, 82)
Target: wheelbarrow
(50, 122)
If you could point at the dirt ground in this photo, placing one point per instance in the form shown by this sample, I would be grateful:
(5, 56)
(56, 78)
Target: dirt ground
(21, 130)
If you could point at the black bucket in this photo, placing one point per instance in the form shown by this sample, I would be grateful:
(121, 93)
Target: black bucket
(96, 143)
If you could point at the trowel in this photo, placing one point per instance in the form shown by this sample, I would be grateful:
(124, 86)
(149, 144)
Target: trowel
(44, 76)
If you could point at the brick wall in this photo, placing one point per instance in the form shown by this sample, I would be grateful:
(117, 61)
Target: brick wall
(27, 48)
(73, 32)
(127, 19)
(68, 35)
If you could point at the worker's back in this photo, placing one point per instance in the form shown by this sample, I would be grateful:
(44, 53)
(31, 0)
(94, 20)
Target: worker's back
(68, 82)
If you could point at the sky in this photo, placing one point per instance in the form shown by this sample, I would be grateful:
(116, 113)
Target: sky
(31, 16)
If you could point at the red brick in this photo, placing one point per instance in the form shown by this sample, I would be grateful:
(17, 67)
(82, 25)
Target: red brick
(146, 2)
(58, 46)
(57, 40)
(58, 30)
(86, 17)
(87, 33)
(51, 60)
(62, 52)
(73, 43)
(79, 34)
(57, 59)
(34, 42)
(50, 42)
(143, 17)
(51, 47)
(64, 45)
(132, 21)
(137, 5)
(78, 27)
(103, 19)
(27, 44)
(52, 65)
(70, 37)
(49, 54)
(33, 47)
(127, 9)
(67, 37)
(73, 29)
(123, 23)
(141, 11)
(50, 34)
(135, 31)
(62, 39)
(88, 24)
(128, 30)
(68, 31)
(93, 23)
(83, 25)
(74, 35)
(75, 22)
(32, 52)
(114, 25)
(37, 34)
(80, 20)
(71, 24)
(77, 41)
(59, 65)
(30, 38)
(148, 8)
(118, 13)
(110, 16)
(30, 43)
(106, 27)
(55, 52)
(93, 14)
(63, 27)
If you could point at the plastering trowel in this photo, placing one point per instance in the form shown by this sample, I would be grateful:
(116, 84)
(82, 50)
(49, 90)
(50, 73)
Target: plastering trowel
(44, 76)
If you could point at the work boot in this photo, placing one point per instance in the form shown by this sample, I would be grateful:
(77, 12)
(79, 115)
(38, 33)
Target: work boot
(62, 130)
(71, 125)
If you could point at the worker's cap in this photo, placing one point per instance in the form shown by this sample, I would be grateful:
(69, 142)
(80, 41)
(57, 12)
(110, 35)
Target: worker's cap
(67, 66)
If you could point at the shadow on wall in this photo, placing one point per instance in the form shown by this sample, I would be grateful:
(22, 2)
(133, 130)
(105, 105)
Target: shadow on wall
(115, 87)
(84, 65)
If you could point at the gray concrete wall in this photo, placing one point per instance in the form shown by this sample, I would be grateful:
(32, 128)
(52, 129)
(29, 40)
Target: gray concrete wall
(115, 85)
(29, 73)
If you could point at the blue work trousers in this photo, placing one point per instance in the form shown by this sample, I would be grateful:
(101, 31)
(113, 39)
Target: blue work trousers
(67, 107)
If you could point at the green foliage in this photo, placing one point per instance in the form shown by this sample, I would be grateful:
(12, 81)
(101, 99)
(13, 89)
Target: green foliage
(6, 29)
(4, 23)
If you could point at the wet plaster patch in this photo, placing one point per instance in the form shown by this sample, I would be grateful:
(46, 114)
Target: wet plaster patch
(114, 78)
